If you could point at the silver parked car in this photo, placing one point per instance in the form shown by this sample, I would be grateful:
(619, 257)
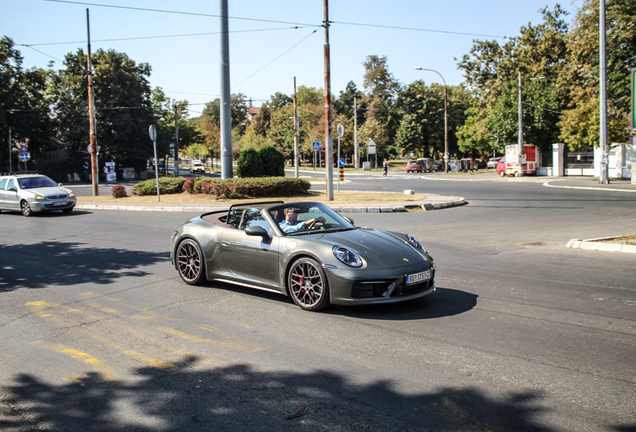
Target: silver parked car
(304, 250)
(28, 193)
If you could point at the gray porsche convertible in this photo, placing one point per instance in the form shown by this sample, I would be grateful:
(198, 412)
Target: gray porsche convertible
(304, 250)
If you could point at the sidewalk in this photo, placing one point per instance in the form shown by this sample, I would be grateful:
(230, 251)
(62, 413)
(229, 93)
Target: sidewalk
(432, 202)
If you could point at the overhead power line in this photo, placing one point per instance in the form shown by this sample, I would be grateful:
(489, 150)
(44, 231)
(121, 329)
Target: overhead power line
(180, 13)
(280, 22)
(418, 29)
(155, 37)
(295, 45)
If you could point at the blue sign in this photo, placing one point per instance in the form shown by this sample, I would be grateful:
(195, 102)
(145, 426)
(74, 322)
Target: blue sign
(317, 146)
(341, 163)
(25, 156)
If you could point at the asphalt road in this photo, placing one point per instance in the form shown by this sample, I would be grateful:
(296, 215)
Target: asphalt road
(99, 333)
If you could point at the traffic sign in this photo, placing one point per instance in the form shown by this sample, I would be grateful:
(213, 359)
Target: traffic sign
(23, 149)
(316, 146)
(25, 156)
(341, 163)
(340, 130)
(152, 131)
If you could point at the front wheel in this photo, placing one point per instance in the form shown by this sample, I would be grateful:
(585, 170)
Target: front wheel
(25, 208)
(307, 285)
(502, 173)
(190, 262)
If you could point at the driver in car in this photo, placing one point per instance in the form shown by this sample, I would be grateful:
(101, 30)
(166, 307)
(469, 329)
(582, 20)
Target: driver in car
(289, 225)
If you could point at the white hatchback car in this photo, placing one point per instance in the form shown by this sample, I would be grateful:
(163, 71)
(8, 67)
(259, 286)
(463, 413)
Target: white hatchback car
(30, 193)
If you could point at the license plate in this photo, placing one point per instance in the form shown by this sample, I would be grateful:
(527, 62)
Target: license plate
(418, 277)
(60, 203)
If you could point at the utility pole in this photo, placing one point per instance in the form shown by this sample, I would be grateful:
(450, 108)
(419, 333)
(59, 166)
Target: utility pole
(91, 114)
(328, 143)
(10, 162)
(520, 138)
(226, 107)
(355, 132)
(176, 142)
(296, 132)
(604, 177)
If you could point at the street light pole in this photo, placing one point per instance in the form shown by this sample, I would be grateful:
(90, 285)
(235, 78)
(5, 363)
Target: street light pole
(520, 134)
(446, 155)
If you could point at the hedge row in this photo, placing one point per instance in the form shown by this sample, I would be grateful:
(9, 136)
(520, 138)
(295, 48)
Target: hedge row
(262, 187)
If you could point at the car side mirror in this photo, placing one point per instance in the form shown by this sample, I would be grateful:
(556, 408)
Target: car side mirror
(12, 189)
(348, 219)
(257, 231)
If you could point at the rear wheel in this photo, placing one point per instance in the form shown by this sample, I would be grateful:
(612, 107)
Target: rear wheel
(190, 262)
(307, 285)
(516, 173)
(25, 208)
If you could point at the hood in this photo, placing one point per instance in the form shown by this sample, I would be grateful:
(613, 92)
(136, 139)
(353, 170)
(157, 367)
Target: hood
(379, 248)
(51, 192)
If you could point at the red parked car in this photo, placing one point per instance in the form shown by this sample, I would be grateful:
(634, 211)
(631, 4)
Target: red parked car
(415, 165)
(501, 167)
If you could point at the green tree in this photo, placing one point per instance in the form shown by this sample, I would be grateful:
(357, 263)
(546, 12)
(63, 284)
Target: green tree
(122, 102)
(381, 92)
(580, 121)
(249, 164)
(24, 105)
(409, 135)
(272, 161)
(491, 72)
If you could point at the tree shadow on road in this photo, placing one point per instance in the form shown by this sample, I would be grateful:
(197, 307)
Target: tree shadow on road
(52, 263)
(240, 398)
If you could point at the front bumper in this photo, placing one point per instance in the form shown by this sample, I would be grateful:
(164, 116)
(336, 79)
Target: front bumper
(44, 206)
(351, 287)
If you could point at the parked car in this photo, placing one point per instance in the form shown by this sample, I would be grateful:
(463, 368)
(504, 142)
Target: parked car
(429, 164)
(415, 165)
(323, 259)
(197, 167)
(440, 165)
(501, 167)
(28, 193)
(492, 163)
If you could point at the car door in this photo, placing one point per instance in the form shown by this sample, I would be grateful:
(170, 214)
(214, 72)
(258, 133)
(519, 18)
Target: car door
(11, 195)
(3, 185)
(253, 259)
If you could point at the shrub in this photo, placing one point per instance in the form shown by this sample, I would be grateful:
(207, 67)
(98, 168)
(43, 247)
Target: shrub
(166, 186)
(188, 185)
(119, 191)
(249, 164)
(272, 161)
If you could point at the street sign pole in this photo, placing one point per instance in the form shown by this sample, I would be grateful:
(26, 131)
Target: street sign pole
(152, 131)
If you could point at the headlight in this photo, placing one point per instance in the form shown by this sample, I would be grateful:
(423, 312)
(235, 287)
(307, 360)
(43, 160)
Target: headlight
(347, 256)
(40, 198)
(415, 243)
(71, 195)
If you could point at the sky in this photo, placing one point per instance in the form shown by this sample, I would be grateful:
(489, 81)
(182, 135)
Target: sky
(271, 41)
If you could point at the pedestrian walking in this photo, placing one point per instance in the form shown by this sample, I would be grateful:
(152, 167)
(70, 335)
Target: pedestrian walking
(87, 171)
(385, 164)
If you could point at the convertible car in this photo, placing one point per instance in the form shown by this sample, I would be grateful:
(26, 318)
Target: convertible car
(304, 250)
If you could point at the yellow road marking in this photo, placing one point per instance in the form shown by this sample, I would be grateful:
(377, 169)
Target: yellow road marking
(108, 374)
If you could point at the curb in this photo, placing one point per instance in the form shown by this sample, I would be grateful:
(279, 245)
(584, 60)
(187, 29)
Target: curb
(438, 206)
(203, 209)
(598, 245)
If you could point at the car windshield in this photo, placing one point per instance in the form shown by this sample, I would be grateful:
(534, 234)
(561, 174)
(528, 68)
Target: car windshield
(36, 182)
(308, 218)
